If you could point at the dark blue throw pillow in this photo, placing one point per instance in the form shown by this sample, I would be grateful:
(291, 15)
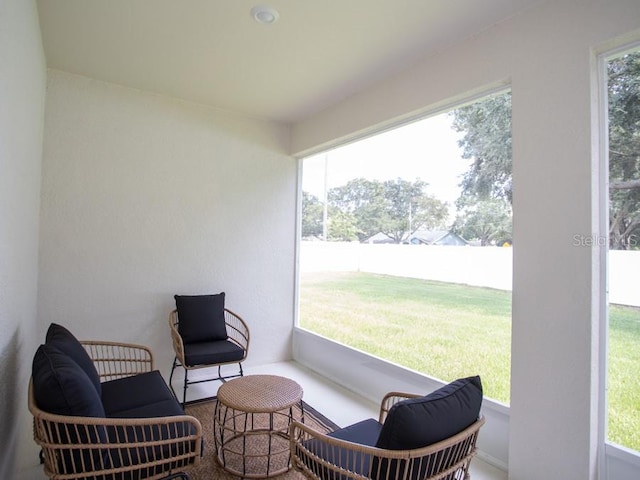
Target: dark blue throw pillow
(201, 317)
(419, 422)
(60, 386)
(62, 339)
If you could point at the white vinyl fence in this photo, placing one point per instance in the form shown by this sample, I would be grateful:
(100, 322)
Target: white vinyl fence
(478, 266)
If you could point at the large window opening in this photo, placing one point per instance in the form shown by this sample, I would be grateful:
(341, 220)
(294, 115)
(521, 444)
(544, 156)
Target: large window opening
(405, 249)
(623, 352)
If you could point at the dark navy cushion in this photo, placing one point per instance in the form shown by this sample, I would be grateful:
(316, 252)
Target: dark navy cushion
(420, 422)
(164, 408)
(201, 317)
(60, 386)
(365, 432)
(62, 339)
(208, 353)
(129, 393)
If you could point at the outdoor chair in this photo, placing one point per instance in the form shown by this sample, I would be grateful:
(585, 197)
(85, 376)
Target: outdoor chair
(206, 334)
(100, 411)
(415, 438)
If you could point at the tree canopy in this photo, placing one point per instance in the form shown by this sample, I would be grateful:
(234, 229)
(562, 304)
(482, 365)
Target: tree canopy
(488, 220)
(486, 125)
(396, 208)
(362, 208)
(624, 151)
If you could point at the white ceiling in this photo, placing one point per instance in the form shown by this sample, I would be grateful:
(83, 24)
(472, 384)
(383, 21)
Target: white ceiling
(213, 52)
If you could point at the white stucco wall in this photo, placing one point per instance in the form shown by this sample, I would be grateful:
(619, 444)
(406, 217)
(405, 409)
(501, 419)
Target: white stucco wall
(547, 55)
(22, 91)
(145, 197)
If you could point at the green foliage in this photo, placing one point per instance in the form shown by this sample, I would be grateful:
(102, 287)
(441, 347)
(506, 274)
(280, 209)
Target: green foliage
(342, 226)
(312, 212)
(486, 125)
(362, 199)
(396, 208)
(484, 206)
(488, 221)
(624, 151)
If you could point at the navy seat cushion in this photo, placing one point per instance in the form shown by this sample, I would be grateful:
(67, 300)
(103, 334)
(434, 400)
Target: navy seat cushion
(419, 422)
(134, 393)
(201, 317)
(207, 353)
(144, 395)
(61, 386)
(365, 432)
(61, 338)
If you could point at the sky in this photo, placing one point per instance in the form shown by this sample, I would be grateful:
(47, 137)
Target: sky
(426, 149)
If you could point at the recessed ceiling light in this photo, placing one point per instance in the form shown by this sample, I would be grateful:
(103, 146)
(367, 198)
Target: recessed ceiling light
(264, 14)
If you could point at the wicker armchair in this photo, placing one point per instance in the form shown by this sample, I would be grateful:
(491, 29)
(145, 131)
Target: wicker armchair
(195, 355)
(326, 457)
(75, 447)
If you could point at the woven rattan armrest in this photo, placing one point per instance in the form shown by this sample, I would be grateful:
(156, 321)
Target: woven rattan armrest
(117, 360)
(312, 451)
(124, 447)
(390, 399)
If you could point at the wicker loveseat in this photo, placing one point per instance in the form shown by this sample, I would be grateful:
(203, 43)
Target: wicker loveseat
(415, 438)
(101, 412)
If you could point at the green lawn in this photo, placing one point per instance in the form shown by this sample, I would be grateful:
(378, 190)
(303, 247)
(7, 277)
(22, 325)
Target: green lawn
(450, 331)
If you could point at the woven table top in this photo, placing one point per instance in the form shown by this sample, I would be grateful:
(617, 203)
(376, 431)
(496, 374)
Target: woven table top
(260, 393)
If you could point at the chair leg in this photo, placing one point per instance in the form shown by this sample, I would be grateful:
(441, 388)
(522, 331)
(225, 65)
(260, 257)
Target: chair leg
(173, 368)
(184, 390)
(240, 365)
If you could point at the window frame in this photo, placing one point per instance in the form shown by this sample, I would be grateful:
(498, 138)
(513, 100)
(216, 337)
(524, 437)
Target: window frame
(442, 108)
(608, 451)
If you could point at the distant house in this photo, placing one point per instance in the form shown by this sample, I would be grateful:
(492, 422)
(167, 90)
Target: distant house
(436, 237)
(424, 237)
(379, 238)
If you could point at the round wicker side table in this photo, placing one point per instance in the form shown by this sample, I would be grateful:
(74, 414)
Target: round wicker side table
(251, 424)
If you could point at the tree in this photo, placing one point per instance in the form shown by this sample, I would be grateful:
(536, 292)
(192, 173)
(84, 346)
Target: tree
(362, 199)
(487, 220)
(396, 208)
(342, 226)
(407, 208)
(312, 211)
(484, 205)
(487, 141)
(624, 151)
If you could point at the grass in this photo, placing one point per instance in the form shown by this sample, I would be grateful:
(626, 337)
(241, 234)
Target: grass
(450, 331)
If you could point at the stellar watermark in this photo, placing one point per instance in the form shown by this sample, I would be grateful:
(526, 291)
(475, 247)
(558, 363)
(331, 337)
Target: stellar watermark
(605, 241)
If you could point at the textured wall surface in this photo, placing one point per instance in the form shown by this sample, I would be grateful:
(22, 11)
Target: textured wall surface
(22, 91)
(145, 197)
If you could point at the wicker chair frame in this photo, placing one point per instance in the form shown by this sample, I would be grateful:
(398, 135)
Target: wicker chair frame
(238, 333)
(150, 448)
(448, 459)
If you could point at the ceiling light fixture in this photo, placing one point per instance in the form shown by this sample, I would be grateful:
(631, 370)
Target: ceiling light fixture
(265, 14)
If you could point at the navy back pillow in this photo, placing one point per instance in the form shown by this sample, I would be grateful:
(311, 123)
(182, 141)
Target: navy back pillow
(62, 339)
(419, 422)
(201, 317)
